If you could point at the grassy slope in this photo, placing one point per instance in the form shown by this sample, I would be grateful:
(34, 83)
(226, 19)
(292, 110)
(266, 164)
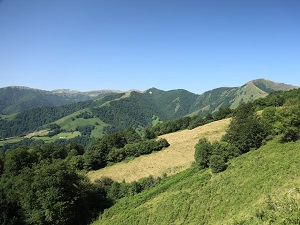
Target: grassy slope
(247, 93)
(177, 157)
(193, 197)
(70, 123)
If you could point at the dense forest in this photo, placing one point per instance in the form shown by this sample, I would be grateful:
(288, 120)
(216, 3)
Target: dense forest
(46, 183)
(15, 99)
(33, 119)
(43, 184)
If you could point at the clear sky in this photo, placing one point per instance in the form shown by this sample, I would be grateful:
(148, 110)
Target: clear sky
(195, 45)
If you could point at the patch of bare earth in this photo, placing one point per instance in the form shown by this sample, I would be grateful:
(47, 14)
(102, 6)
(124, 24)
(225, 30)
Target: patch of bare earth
(176, 158)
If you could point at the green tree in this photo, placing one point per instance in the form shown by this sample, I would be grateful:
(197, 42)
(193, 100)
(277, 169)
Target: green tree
(202, 153)
(217, 163)
(269, 118)
(290, 114)
(246, 130)
(284, 121)
(219, 148)
(209, 117)
(222, 113)
(149, 134)
(131, 135)
(2, 159)
(10, 210)
(55, 194)
(95, 155)
(195, 122)
(115, 192)
(17, 159)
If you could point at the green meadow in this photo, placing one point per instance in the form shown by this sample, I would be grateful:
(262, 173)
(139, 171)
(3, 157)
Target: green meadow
(234, 196)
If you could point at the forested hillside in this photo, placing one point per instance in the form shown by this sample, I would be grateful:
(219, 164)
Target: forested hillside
(18, 99)
(117, 111)
(229, 183)
(250, 177)
(212, 100)
(33, 119)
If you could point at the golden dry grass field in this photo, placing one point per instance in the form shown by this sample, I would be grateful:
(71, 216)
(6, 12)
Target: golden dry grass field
(176, 158)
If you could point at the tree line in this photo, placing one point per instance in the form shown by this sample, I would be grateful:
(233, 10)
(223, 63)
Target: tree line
(247, 131)
(45, 184)
(118, 146)
(33, 119)
(189, 122)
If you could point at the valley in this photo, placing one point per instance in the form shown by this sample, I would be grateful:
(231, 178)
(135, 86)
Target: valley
(155, 157)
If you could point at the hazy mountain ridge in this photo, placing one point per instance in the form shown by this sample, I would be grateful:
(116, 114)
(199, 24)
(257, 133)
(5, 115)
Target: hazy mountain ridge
(92, 94)
(15, 99)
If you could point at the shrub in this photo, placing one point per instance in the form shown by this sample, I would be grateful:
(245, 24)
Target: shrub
(202, 153)
(217, 163)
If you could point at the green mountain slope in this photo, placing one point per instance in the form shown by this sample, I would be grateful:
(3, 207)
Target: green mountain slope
(121, 110)
(199, 197)
(38, 118)
(141, 108)
(17, 99)
(210, 101)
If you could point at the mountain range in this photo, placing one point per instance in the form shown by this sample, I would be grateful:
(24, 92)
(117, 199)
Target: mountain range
(17, 98)
(109, 110)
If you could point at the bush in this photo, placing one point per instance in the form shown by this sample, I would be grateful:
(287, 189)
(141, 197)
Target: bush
(136, 149)
(217, 163)
(246, 131)
(202, 153)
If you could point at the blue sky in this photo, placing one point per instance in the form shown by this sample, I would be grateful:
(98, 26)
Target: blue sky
(138, 44)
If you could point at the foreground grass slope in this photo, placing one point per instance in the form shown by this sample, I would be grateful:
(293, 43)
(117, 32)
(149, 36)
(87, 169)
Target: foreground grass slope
(177, 157)
(199, 197)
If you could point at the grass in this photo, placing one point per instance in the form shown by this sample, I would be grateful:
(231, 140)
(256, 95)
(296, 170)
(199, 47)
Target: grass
(176, 158)
(10, 140)
(70, 123)
(42, 135)
(248, 93)
(37, 133)
(62, 135)
(155, 120)
(8, 117)
(199, 197)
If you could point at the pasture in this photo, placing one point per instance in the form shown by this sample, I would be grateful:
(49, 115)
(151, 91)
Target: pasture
(174, 159)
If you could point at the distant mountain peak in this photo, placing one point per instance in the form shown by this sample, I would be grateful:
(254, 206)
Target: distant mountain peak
(63, 91)
(269, 86)
(23, 88)
(261, 80)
